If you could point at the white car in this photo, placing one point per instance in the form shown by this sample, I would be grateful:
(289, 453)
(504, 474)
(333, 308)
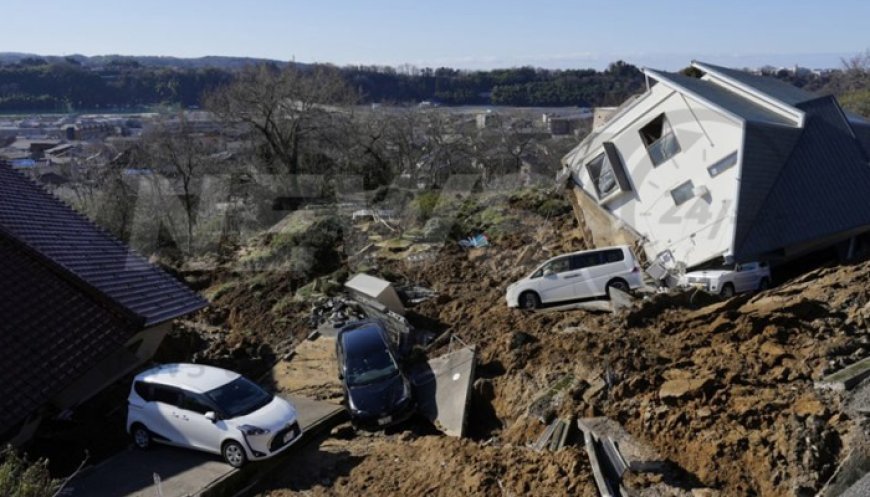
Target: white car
(728, 281)
(209, 409)
(591, 273)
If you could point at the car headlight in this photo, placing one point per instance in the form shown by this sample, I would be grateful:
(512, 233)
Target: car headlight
(253, 430)
(353, 408)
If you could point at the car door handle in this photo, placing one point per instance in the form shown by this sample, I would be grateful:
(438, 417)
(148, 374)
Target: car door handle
(571, 276)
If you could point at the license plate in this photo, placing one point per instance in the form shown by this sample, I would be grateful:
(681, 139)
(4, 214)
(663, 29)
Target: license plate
(385, 420)
(290, 436)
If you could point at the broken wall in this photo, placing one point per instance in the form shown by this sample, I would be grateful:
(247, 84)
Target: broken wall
(600, 228)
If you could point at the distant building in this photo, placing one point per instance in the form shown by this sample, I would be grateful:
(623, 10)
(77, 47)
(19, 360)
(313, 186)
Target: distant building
(567, 122)
(91, 131)
(486, 119)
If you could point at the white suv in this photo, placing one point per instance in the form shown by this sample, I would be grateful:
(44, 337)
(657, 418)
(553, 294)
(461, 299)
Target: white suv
(727, 281)
(209, 409)
(591, 273)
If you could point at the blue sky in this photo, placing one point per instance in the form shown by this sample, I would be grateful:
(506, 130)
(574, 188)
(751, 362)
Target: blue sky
(464, 34)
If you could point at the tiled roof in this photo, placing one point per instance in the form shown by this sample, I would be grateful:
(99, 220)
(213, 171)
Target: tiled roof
(819, 191)
(70, 243)
(50, 333)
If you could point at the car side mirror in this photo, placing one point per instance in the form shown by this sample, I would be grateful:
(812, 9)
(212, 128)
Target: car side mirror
(211, 416)
(548, 272)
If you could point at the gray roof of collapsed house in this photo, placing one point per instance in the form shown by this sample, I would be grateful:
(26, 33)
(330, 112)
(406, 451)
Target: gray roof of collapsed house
(779, 90)
(76, 248)
(721, 97)
(802, 185)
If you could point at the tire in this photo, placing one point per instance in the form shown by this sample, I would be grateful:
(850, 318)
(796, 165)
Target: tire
(764, 284)
(234, 454)
(141, 436)
(619, 284)
(727, 291)
(529, 301)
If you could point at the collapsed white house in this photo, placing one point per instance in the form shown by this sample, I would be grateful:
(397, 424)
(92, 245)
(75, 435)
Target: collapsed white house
(729, 165)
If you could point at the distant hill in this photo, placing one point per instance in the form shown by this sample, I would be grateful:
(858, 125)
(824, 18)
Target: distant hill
(35, 83)
(211, 61)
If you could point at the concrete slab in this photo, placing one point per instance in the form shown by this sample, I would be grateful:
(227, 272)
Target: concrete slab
(606, 488)
(847, 377)
(182, 472)
(637, 456)
(444, 388)
(620, 300)
(861, 488)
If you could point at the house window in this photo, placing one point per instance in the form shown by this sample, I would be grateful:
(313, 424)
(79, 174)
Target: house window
(683, 193)
(659, 139)
(602, 176)
(722, 164)
(607, 172)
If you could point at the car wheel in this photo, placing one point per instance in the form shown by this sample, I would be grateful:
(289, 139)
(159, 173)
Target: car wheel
(141, 436)
(727, 291)
(530, 300)
(620, 285)
(764, 284)
(234, 454)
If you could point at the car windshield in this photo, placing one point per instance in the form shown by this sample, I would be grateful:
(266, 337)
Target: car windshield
(239, 397)
(370, 366)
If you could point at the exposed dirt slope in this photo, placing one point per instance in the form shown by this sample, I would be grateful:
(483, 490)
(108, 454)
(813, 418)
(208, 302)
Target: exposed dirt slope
(437, 466)
(725, 389)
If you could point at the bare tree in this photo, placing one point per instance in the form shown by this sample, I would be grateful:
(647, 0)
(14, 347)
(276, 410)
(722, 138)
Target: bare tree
(284, 107)
(177, 153)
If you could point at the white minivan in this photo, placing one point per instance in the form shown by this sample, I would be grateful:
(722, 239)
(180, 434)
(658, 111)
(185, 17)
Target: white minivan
(209, 409)
(590, 273)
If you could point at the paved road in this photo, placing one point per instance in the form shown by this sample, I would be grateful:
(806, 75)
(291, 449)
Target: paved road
(183, 472)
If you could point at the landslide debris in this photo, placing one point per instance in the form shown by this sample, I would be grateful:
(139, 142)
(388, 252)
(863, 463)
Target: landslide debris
(721, 388)
(436, 466)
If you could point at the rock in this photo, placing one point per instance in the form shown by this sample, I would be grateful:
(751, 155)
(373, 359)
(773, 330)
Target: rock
(343, 432)
(520, 338)
(476, 253)
(705, 492)
(682, 388)
(773, 350)
(677, 374)
(595, 386)
(809, 406)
